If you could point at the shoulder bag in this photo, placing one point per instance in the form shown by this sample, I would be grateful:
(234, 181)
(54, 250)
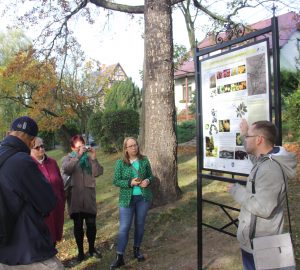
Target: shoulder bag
(68, 183)
(273, 251)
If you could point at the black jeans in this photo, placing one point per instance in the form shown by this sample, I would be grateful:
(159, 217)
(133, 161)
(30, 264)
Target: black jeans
(90, 222)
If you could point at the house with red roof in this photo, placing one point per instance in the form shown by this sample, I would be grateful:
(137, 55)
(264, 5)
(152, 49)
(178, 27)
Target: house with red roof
(289, 43)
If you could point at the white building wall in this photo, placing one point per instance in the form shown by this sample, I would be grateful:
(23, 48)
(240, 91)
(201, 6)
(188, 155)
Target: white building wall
(289, 52)
(180, 105)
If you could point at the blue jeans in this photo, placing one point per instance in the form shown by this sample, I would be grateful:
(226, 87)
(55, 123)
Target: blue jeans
(248, 261)
(138, 208)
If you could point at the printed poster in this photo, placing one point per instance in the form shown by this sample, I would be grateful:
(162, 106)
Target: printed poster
(234, 85)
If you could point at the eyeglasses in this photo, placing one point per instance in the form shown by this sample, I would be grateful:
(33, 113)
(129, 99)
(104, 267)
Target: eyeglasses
(39, 147)
(251, 136)
(131, 146)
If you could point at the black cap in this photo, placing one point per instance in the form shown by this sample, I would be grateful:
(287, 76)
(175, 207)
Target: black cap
(26, 125)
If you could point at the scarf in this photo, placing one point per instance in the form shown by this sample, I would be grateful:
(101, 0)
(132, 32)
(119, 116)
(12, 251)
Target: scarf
(83, 162)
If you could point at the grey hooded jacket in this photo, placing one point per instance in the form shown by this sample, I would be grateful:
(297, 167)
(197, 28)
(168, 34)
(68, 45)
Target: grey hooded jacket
(269, 200)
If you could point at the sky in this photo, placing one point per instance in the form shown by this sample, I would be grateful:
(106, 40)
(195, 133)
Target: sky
(123, 42)
(120, 41)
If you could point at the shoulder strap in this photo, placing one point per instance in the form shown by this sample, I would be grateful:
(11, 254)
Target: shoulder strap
(286, 196)
(137, 172)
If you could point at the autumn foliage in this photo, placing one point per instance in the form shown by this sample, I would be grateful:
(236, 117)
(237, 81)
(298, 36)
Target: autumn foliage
(34, 84)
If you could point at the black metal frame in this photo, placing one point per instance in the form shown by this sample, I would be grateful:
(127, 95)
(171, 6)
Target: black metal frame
(200, 97)
(275, 111)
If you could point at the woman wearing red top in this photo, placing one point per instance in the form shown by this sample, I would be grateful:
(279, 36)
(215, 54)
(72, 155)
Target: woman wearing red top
(50, 169)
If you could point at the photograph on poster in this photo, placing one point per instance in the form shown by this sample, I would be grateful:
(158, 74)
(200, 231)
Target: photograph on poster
(234, 71)
(211, 150)
(241, 69)
(212, 79)
(227, 153)
(238, 139)
(234, 85)
(256, 75)
(224, 125)
(240, 153)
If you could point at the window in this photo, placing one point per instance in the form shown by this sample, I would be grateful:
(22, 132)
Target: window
(186, 92)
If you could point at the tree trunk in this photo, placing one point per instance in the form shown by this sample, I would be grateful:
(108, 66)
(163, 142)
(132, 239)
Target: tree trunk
(189, 23)
(160, 143)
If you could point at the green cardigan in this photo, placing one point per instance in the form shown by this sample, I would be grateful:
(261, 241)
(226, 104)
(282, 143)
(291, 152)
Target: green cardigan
(123, 176)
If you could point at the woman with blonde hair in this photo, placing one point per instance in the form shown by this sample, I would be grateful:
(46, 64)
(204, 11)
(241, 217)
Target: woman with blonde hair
(133, 176)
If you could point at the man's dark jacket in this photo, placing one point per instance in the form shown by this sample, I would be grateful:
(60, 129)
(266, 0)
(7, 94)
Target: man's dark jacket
(30, 197)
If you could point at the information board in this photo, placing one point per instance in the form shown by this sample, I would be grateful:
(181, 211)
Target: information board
(233, 85)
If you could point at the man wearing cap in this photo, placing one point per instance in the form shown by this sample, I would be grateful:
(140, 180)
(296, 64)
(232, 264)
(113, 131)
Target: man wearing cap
(30, 198)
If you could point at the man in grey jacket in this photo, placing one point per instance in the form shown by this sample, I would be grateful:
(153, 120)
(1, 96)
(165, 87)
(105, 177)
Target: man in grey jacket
(269, 199)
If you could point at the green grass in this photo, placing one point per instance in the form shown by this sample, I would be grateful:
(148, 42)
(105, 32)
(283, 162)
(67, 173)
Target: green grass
(167, 226)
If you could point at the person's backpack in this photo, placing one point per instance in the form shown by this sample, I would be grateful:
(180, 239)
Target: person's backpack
(7, 220)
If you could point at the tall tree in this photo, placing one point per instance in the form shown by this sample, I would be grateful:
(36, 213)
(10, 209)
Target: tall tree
(11, 42)
(158, 113)
(180, 55)
(31, 84)
(158, 104)
(185, 8)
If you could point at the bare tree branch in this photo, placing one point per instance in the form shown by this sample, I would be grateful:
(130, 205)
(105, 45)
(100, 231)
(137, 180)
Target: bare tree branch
(124, 8)
(65, 26)
(174, 2)
(118, 7)
(208, 12)
(241, 5)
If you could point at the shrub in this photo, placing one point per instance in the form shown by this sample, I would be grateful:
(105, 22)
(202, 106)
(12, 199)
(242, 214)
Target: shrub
(123, 95)
(117, 125)
(292, 113)
(95, 125)
(186, 131)
(289, 82)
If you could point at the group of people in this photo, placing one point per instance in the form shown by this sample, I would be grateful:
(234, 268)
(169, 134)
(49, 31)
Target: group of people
(32, 186)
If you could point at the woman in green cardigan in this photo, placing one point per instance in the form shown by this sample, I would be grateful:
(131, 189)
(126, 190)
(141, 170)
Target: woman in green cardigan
(133, 176)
